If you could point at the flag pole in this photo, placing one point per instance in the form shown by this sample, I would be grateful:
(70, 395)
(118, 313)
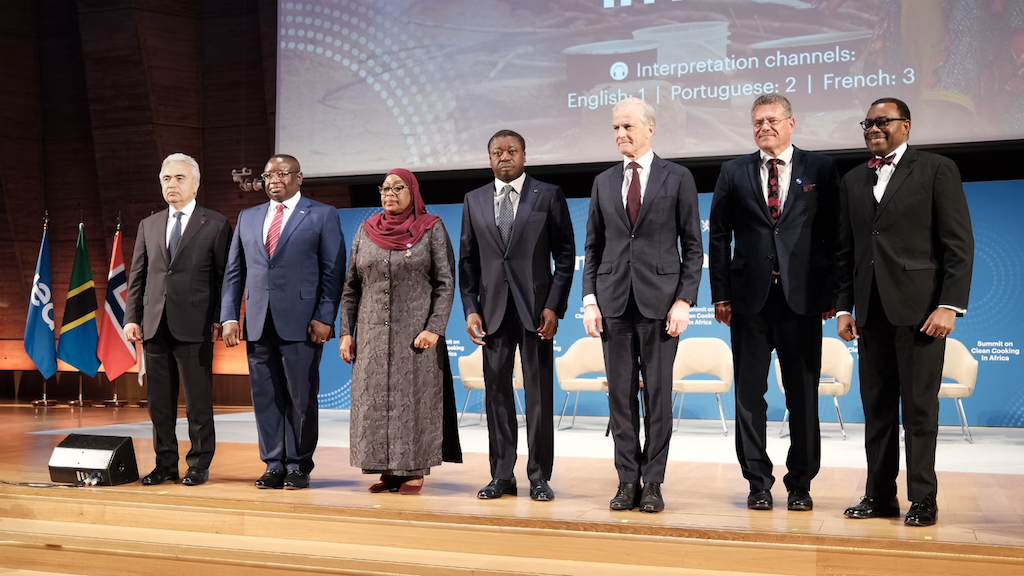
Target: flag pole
(114, 402)
(44, 401)
(81, 403)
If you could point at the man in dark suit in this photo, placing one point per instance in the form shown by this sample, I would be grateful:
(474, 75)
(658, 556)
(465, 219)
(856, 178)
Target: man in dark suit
(773, 289)
(512, 229)
(173, 306)
(289, 256)
(905, 258)
(637, 294)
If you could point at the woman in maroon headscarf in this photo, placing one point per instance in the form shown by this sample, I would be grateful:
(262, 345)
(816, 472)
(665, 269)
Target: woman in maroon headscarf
(394, 309)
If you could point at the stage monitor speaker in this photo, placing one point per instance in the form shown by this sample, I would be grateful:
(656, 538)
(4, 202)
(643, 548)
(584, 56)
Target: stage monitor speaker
(92, 460)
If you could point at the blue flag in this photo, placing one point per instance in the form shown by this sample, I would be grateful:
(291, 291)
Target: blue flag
(79, 334)
(39, 336)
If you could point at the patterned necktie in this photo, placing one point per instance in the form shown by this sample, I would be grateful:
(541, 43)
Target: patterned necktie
(633, 194)
(876, 161)
(774, 198)
(172, 244)
(506, 216)
(275, 230)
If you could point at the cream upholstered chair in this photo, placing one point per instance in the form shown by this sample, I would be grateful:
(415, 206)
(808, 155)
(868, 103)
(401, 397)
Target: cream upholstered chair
(702, 356)
(836, 375)
(962, 367)
(585, 356)
(471, 372)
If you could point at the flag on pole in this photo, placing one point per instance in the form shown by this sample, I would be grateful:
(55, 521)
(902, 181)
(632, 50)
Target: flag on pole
(40, 342)
(114, 350)
(78, 333)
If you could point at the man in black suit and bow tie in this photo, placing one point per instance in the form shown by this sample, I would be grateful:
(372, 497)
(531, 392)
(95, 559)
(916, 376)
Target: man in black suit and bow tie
(637, 294)
(173, 307)
(512, 230)
(780, 206)
(905, 259)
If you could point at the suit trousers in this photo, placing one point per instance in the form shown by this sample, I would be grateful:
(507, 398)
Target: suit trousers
(633, 346)
(285, 379)
(170, 363)
(899, 365)
(797, 339)
(538, 383)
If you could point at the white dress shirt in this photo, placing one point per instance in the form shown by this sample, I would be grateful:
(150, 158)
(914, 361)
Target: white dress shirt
(785, 170)
(186, 213)
(289, 207)
(517, 184)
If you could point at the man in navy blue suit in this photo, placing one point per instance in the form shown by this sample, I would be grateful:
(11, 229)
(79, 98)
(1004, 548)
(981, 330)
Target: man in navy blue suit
(289, 256)
(780, 205)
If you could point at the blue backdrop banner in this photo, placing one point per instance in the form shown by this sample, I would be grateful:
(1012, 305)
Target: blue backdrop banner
(989, 330)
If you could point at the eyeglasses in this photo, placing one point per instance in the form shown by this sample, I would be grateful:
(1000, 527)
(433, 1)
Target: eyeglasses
(268, 176)
(395, 191)
(880, 122)
(773, 122)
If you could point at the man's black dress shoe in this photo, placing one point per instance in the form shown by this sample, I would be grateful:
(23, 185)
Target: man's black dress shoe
(498, 488)
(871, 507)
(760, 500)
(923, 513)
(296, 480)
(196, 476)
(540, 491)
(651, 501)
(271, 479)
(626, 497)
(799, 500)
(159, 476)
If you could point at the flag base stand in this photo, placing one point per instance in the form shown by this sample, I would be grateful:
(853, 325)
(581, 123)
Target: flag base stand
(44, 403)
(115, 403)
(80, 403)
(143, 403)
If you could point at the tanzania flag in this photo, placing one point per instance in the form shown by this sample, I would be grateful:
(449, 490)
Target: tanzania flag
(39, 337)
(78, 332)
(117, 354)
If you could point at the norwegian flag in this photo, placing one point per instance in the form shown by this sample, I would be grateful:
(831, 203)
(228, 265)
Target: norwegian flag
(114, 350)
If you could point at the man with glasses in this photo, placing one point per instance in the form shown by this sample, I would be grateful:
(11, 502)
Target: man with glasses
(512, 230)
(173, 307)
(773, 228)
(288, 256)
(904, 264)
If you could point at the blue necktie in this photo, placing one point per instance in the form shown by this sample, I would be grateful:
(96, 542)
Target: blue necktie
(172, 245)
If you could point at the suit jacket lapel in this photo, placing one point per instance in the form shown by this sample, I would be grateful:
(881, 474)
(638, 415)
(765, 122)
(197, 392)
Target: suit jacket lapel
(195, 221)
(259, 216)
(614, 192)
(754, 174)
(527, 199)
(161, 228)
(796, 174)
(899, 176)
(654, 185)
(485, 203)
(301, 209)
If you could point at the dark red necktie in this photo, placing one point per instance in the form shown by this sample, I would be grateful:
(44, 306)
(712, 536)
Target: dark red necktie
(275, 230)
(876, 161)
(633, 194)
(774, 199)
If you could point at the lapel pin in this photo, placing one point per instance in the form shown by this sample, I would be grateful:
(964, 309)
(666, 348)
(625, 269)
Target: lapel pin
(799, 181)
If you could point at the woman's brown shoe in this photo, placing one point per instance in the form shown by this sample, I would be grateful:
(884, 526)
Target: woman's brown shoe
(408, 487)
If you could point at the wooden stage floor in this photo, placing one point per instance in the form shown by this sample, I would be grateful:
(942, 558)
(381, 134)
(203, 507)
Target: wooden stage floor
(981, 515)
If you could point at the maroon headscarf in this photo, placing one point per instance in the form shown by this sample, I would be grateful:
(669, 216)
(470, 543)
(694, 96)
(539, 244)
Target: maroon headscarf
(401, 231)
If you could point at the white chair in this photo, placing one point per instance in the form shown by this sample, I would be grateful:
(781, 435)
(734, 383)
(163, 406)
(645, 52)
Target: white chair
(471, 372)
(702, 356)
(835, 378)
(585, 356)
(962, 367)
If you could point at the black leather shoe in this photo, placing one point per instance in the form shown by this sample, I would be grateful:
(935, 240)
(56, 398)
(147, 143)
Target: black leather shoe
(923, 513)
(498, 488)
(760, 500)
(651, 501)
(296, 480)
(196, 476)
(159, 476)
(799, 500)
(271, 479)
(626, 498)
(540, 491)
(871, 507)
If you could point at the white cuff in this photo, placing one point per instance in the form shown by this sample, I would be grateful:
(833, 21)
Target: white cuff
(954, 308)
(589, 299)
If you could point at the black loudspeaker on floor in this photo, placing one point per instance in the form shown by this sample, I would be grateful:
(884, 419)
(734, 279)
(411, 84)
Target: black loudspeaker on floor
(94, 460)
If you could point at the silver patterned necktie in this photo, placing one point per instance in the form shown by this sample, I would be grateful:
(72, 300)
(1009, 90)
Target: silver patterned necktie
(172, 245)
(506, 216)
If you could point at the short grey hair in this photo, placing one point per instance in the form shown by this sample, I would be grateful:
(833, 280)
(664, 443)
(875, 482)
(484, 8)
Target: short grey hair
(645, 109)
(180, 157)
(772, 98)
